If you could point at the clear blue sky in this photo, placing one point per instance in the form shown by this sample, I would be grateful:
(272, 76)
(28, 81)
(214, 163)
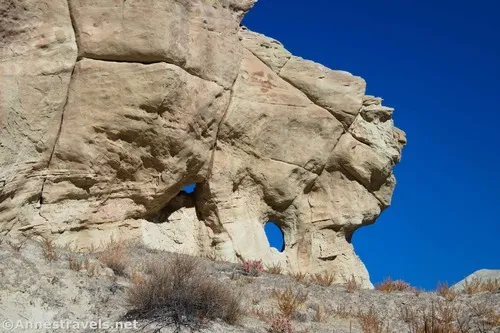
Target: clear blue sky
(438, 64)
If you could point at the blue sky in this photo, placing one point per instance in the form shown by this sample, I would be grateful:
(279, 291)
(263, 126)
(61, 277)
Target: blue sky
(438, 65)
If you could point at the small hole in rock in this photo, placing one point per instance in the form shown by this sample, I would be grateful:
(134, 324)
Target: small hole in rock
(275, 236)
(189, 188)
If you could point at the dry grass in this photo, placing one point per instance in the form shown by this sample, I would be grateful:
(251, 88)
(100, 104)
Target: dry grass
(79, 264)
(274, 269)
(476, 285)
(261, 314)
(210, 256)
(320, 313)
(48, 248)
(389, 286)
(486, 315)
(449, 317)
(289, 301)
(418, 291)
(439, 318)
(324, 279)
(178, 292)
(444, 290)
(371, 322)
(341, 311)
(352, 285)
(75, 263)
(16, 246)
(299, 276)
(115, 257)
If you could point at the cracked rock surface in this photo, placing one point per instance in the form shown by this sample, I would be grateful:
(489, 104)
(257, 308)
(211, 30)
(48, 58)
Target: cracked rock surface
(109, 108)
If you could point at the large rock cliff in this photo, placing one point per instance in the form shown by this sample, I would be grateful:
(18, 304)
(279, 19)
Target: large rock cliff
(108, 108)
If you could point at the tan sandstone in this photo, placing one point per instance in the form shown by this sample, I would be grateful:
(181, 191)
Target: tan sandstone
(109, 108)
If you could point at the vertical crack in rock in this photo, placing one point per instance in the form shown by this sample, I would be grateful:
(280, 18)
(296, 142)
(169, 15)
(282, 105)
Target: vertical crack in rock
(73, 26)
(216, 140)
(49, 162)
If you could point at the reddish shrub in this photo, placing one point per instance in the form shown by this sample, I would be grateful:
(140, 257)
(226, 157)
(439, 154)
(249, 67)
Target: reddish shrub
(253, 267)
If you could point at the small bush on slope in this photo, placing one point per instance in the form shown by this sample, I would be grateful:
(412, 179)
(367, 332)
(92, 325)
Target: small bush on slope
(280, 324)
(445, 291)
(390, 286)
(324, 279)
(114, 257)
(178, 292)
(289, 300)
(253, 267)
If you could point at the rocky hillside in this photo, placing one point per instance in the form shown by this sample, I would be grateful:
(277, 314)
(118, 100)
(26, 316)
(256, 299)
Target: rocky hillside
(42, 283)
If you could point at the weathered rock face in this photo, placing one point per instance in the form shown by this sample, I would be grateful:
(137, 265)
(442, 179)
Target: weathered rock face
(109, 108)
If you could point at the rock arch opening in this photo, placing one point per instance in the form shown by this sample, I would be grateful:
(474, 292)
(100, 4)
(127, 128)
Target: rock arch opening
(275, 236)
(186, 198)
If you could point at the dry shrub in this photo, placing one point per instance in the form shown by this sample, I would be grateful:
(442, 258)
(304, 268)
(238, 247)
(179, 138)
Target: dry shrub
(491, 285)
(389, 286)
(253, 267)
(342, 311)
(235, 276)
(447, 317)
(472, 286)
(92, 248)
(79, 264)
(280, 324)
(261, 314)
(439, 318)
(275, 268)
(445, 291)
(418, 291)
(407, 314)
(115, 257)
(210, 256)
(486, 316)
(324, 279)
(289, 301)
(177, 291)
(75, 264)
(371, 322)
(16, 246)
(477, 285)
(299, 276)
(352, 285)
(48, 248)
(91, 267)
(320, 314)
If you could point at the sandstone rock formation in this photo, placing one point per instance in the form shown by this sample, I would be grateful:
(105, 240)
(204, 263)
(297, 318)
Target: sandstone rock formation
(109, 108)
